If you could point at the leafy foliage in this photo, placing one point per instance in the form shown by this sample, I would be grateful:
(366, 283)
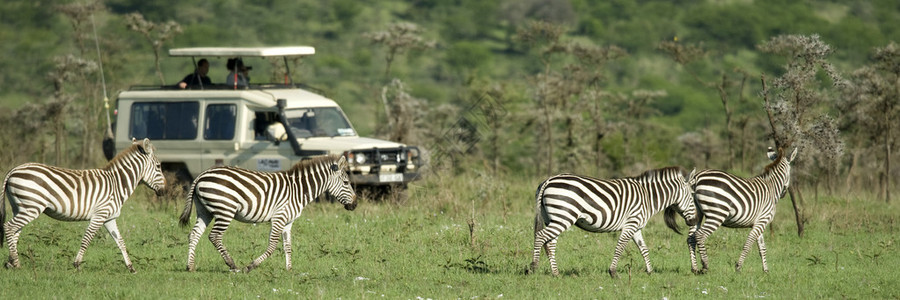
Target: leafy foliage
(570, 69)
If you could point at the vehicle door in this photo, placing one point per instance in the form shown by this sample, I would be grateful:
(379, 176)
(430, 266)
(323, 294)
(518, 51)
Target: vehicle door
(219, 134)
(173, 128)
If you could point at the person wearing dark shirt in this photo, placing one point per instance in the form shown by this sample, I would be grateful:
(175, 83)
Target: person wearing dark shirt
(198, 77)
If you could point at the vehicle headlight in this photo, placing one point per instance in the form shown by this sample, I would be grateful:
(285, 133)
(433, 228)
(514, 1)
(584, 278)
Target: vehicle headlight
(360, 158)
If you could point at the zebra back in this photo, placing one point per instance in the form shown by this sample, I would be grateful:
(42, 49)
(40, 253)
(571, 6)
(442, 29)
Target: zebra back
(74, 194)
(302, 183)
(645, 194)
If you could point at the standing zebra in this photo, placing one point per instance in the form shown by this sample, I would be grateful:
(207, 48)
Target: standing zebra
(599, 205)
(95, 195)
(727, 200)
(226, 193)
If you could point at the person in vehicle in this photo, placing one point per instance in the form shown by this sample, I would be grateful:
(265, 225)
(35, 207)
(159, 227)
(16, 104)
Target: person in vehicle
(238, 75)
(198, 77)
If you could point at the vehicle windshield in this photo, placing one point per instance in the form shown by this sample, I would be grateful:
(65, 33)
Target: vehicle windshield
(318, 122)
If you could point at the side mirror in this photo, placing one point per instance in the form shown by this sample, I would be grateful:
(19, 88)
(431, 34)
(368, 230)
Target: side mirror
(275, 132)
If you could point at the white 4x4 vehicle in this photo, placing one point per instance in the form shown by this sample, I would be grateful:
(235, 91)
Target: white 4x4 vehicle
(265, 127)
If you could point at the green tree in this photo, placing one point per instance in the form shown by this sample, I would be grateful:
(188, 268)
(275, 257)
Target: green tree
(871, 109)
(155, 33)
(798, 109)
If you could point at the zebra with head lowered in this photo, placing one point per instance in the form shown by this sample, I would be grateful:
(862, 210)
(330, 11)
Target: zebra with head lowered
(726, 200)
(226, 193)
(606, 205)
(95, 195)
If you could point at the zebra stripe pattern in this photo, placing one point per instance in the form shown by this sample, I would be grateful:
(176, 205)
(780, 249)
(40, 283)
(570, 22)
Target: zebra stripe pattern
(223, 194)
(599, 205)
(95, 195)
(727, 200)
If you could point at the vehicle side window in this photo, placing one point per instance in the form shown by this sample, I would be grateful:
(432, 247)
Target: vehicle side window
(261, 123)
(220, 120)
(164, 120)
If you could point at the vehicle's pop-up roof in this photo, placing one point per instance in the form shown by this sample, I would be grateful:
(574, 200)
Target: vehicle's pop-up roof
(244, 51)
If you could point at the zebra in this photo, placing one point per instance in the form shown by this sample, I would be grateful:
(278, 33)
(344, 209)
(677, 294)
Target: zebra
(606, 205)
(95, 195)
(723, 199)
(225, 193)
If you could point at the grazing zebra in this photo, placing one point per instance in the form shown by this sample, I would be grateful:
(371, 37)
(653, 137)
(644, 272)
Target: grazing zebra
(599, 205)
(95, 195)
(727, 200)
(226, 193)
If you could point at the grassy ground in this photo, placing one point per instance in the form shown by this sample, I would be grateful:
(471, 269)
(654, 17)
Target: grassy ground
(424, 248)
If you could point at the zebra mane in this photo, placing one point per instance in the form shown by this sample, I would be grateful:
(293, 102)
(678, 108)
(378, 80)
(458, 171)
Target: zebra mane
(305, 164)
(656, 173)
(771, 166)
(124, 153)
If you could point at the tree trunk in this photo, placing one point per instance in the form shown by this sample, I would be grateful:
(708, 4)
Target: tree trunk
(549, 142)
(887, 155)
(849, 180)
(723, 95)
(797, 202)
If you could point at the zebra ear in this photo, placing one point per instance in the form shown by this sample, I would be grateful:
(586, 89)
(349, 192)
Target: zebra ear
(148, 148)
(793, 155)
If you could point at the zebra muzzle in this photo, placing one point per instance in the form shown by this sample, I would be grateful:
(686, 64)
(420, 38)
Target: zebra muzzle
(350, 206)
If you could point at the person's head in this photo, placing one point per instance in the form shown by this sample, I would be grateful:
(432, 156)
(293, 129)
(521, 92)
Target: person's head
(237, 64)
(203, 66)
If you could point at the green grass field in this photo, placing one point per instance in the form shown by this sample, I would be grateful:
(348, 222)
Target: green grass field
(422, 248)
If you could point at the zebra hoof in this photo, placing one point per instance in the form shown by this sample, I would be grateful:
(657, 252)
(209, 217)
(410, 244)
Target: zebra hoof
(131, 268)
(247, 269)
(77, 265)
(613, 273)
(12, 265)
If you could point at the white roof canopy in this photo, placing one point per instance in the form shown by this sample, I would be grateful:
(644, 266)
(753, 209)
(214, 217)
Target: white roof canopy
(243, 51)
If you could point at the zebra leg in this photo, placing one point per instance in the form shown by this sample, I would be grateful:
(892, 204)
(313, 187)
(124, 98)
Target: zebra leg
(286, 239)
(203, 219)
(550, 247)
(278, 224)
(755, 233)
(92, 228)
(638, 239)
(627, 233)
(709, 226)
(546, 238)
(220, 224)
(14, 227)
(762, 252)
(539, 242)
(692, 246)
(113, 230)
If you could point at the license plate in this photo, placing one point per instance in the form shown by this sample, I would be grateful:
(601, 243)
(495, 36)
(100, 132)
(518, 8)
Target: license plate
(396, 177)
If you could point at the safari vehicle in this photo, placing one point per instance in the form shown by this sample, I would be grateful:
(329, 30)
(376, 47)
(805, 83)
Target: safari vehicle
(265, 127)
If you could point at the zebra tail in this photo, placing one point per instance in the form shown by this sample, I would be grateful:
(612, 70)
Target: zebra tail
(188, 205)
(539, 222)
(3, 210)
(670, 217)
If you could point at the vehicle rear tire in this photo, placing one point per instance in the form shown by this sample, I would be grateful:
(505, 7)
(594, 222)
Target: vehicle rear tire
(394, 193)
